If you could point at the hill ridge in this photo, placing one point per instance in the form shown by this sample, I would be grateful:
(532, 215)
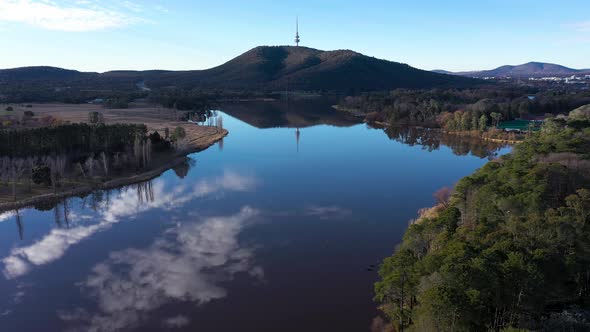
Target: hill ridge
(268, 68)
(525, 70)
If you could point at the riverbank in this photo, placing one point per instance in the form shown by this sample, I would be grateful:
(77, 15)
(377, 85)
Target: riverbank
(483, 136)
(354, 111)
(198, 138)
(472, 134)
(495, 243)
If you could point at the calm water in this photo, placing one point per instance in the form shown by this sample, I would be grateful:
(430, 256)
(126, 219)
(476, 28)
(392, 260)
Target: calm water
(275, 229)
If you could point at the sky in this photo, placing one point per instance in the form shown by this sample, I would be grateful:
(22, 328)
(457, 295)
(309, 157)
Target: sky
(457, 35)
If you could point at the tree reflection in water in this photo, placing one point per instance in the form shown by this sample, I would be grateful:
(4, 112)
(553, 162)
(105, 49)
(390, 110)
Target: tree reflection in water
(431, 139)
(125, 203)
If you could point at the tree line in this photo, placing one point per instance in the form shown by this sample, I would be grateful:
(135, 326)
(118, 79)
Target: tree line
(423, 107)
(54, 156)
(509, 249)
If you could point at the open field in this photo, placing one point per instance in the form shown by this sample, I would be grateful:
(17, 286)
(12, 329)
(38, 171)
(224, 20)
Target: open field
(155, 117)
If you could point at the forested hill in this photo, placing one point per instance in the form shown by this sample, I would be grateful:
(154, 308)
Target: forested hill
(265, 68)
(510, 249)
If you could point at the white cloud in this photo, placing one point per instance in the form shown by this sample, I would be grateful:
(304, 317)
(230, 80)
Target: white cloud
(327, 212)
(7, 215)
(188, 263)
(78, 16)
(127, 204)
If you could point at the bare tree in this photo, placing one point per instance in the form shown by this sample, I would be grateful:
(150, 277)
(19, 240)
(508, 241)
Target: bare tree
(31, 162)
(137, 150)
(60, 167)
(105, 163)
(89, 163)
(17, 169)
(117, 161)
(81, 168)
(50, 162)
(443, 196)
(148, 151)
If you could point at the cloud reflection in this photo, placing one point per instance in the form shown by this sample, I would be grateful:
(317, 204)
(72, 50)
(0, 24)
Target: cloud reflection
(4, 216)
(327, 212)
(128, 203)
(188, 263)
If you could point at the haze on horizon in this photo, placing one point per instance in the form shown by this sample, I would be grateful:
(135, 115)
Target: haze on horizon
(457, 35)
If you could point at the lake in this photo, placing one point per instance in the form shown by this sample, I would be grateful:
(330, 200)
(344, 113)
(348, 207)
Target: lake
(279, 227)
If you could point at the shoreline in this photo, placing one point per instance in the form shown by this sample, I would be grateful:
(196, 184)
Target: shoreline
(197, 144)
(357, 113)
(459, 133)
(490, 139)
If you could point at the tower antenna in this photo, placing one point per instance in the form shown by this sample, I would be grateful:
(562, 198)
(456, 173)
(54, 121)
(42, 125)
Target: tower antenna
(297, 39)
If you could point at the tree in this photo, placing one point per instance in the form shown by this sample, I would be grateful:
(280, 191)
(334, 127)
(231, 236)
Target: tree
(580, 204)
(95, 118)
(483, 122)
(398, 287)
(512, 230)
(496, 117)
(443, 195)
(178, 134)
(465, 121)
(17, 167)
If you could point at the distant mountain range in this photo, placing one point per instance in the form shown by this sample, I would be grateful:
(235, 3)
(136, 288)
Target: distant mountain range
(527, 70)
(268, 68)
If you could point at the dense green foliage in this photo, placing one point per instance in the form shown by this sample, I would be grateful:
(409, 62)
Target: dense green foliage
(426, 106)
(510, 250)
(69, 139)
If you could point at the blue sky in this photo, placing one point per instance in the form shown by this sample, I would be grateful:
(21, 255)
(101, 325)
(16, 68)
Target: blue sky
(94, 35)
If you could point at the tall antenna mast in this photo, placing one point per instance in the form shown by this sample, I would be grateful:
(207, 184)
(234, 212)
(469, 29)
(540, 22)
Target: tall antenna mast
(297, 39)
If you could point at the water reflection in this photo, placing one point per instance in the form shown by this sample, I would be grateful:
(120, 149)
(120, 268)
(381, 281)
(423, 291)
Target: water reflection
(109, 208)
(141, 258)
(432, 139)
(188, 263)
(181, 170)
(300, 114)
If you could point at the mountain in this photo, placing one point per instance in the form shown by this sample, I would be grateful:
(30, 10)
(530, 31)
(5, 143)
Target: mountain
(265, 68)
(41, 74)
(527, 70)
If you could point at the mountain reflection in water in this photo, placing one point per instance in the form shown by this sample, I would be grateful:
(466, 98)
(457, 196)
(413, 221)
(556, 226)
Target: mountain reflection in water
(280, 114)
